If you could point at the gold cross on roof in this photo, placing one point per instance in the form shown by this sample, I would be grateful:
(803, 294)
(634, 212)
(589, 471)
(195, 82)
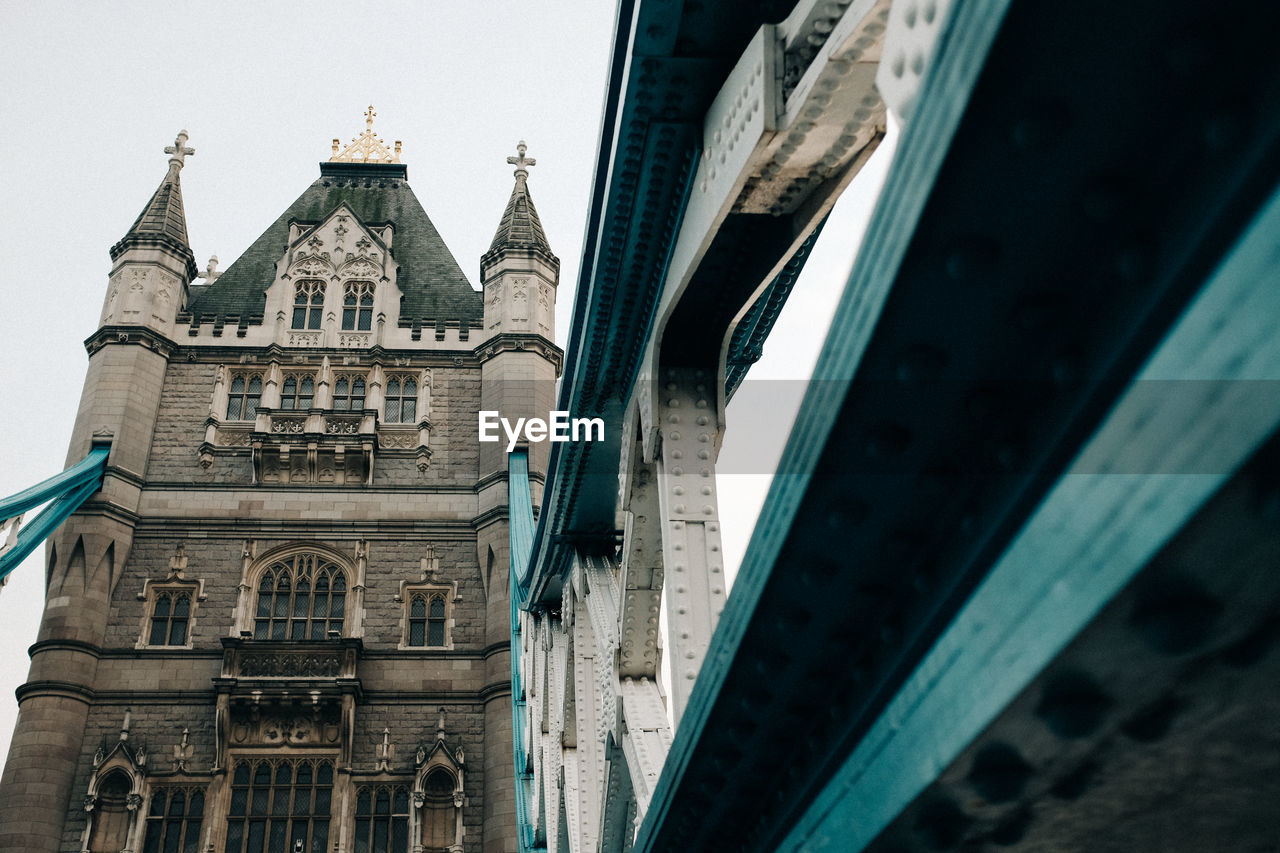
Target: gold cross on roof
(367, 147)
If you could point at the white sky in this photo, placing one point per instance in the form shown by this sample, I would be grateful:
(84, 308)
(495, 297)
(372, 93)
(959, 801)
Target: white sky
(94, 91)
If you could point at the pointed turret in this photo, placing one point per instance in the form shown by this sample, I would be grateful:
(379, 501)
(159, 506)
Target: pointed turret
(519, 272)
(520, 226)
(153, 265)
(163, 222)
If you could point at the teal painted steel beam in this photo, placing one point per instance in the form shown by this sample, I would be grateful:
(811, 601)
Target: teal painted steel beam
(520, 527)
(1207, 398)
(89, 467)
(67, 491)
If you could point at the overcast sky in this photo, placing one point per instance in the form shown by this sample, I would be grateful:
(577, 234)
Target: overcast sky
(95, 91)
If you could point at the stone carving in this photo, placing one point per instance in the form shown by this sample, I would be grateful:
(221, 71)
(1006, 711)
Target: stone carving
(398, 441)
(361, 268)
(285, 727)
(290, 666)
(304, 339)
(232, 438)
(289, 426)
(344, 426)
(312, 265)
(353, 340)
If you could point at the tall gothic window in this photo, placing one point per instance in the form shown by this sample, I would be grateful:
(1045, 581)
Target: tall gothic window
(169, 618)
(111, 819)
(275, 804)
(348, 394)
(402, 400)
(308, 304)
(357, 306)
(297, 393)
(173, 822)
(244, 397)
(302, 597)
(427, 619)
(382, 819)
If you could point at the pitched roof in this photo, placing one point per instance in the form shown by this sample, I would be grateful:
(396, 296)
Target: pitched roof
(433, 285)
(520, 225)
(164, 214)
(163, 222)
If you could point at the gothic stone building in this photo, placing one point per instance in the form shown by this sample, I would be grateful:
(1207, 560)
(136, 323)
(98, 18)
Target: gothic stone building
(283, 623)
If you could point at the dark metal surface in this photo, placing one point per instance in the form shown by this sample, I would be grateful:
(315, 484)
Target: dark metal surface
(1107, 157)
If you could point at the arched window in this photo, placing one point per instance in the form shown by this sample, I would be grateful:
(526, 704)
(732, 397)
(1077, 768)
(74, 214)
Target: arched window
(297, 392)
(426, 617)
(439, 824)
(244, 397)
(348, 394)
(173, 821)
(402, 400)
(302, 597)
(275, 805)
(382, 819)
(308, 304)
(435, 621)
(169, 619)
(111, 815)
(357, 306)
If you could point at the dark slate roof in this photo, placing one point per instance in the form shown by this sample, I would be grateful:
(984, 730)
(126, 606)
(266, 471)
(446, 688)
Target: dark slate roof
(520, 225)
(431, 281)
(162, 223)
(164, 214)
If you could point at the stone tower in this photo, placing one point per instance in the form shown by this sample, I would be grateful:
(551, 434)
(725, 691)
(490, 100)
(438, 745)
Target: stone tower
(283, 623)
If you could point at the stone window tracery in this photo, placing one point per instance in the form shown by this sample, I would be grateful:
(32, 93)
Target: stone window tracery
(173, 820)
(170, 617)
(357, 306)
(277, 803)
(297, 392)
(170, 606)
(427, 619)
(300, 597)
(244, 396)
(308, 304)
(401, 400)
(382, 819)
(349, 393)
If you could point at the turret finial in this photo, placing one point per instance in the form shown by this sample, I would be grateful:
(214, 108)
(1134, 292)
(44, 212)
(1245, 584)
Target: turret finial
(522, 162)
(179, 150)
(367, 147)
